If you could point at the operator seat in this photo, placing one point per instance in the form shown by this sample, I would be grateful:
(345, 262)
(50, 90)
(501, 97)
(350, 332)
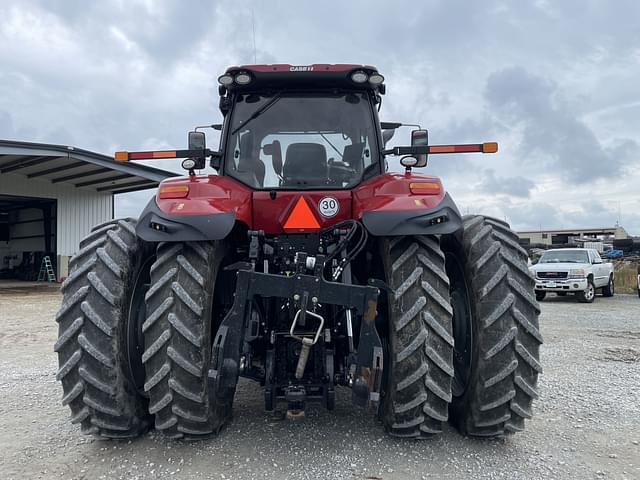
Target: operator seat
(305, 163)
(352, 155)
(251, 169)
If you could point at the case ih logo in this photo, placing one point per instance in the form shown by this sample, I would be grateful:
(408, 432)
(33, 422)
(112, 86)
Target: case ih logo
(301, 68)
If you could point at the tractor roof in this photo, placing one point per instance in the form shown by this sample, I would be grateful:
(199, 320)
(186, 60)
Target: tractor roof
(317, 75)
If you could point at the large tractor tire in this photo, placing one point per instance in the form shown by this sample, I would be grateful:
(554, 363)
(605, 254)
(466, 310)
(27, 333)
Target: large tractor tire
(178, 336)
(419, 364)
(496, 331)
(106, 277)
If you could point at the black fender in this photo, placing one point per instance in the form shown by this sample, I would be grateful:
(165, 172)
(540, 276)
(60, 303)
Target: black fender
(444, 219)
(154, 225)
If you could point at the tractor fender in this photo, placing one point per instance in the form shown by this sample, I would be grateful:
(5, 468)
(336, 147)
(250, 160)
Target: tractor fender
(155, 225)
(443, 219)
(387, 206)
(209, 211)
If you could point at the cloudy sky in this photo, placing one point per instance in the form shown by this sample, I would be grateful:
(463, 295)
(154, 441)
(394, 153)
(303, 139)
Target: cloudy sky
(556, 83)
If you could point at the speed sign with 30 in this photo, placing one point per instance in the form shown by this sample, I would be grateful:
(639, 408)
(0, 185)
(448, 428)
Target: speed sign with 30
(328, 206)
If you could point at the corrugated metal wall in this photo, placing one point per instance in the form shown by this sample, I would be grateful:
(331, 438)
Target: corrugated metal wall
(78, 209)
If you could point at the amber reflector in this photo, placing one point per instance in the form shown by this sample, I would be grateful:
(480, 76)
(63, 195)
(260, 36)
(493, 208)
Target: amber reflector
(490, 147)
(174, 191)
(425, 188)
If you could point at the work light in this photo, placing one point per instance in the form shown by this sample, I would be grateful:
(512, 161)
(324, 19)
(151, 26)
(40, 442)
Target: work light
(359, 77)
(225, 79)
(376, 79)
(243, 78)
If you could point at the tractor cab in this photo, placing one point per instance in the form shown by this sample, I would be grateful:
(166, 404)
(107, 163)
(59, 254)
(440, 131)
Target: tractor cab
(301, 128)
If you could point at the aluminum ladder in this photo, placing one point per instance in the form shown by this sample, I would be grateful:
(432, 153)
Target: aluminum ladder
(46, 270)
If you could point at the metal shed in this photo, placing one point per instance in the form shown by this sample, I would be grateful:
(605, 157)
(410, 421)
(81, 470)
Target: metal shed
(50, 198)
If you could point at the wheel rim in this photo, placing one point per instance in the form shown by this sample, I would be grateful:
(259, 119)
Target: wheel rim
(462, 326)
(135, 319)
(589, 294)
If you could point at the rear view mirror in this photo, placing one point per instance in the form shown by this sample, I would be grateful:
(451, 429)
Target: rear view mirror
(197, 141)
(420, 138)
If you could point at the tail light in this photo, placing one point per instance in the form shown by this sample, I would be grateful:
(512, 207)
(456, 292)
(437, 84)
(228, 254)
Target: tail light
(425, 188)
(173, 191)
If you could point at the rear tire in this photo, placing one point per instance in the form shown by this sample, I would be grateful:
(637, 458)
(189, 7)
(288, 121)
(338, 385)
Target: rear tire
(503, 317)
(93, 328)
(610, 289)
(178, 337)
(417, 388)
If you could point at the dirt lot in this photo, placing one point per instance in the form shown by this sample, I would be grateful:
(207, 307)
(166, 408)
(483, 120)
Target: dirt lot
(587, 422)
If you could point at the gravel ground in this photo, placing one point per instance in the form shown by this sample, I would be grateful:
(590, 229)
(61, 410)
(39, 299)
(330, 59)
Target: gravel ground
(586, 424)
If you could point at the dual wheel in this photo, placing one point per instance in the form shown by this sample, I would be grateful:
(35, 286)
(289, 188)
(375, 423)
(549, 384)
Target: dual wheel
(463, 339)
(119, 296)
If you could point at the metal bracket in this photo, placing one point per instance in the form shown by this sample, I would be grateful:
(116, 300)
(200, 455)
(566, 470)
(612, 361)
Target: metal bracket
(369, 366)
(224, 366)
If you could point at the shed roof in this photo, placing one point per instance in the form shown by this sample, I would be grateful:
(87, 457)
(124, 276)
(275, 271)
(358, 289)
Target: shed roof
(77, 167)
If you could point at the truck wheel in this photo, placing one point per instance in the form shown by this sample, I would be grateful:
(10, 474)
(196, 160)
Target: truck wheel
(178, 337)
(417, 388)
(540, 295)
(610, 289)
(102, 300)
(588, 295)
(495, 328)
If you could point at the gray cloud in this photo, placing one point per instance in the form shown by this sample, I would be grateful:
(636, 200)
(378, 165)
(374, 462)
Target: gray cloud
(552, 134)
(6, 124)
(581, 215)
(533, 215)
(515, 186)
(554, 82)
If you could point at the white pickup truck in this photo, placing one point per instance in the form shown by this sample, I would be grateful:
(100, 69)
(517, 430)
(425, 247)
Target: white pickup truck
(573, 270)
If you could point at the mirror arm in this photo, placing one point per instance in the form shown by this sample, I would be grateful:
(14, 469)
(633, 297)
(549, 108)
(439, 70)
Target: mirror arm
(413, 150)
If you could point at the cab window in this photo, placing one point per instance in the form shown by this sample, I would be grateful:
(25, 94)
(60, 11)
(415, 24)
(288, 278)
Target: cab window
(301, 141)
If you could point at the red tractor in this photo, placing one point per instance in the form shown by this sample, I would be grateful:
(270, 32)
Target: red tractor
(304, 265)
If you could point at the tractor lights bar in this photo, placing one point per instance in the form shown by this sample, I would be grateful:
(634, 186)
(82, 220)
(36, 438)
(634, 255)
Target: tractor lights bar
(125, 156)
(488, 147)
(244, 78)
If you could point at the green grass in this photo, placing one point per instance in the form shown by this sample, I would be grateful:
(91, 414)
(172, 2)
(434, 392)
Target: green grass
(626, 277)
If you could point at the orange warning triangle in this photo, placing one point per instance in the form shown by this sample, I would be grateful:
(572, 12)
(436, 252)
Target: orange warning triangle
(301, 216)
